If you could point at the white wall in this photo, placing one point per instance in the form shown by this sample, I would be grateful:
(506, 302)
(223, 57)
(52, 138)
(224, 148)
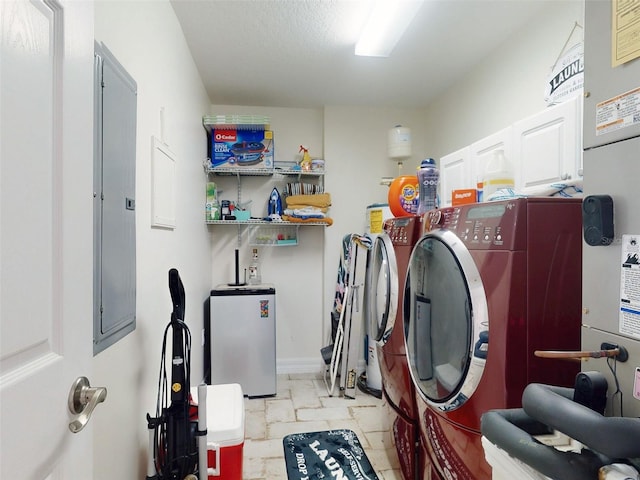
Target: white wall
(147, 39)
(506, 86)
(356, 156)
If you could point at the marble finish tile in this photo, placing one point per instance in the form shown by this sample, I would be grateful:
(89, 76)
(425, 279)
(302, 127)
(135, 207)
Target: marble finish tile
(330, 413)
(280, 411)
(305, 398)
(371, 419)
(303, 404)
(281, 430)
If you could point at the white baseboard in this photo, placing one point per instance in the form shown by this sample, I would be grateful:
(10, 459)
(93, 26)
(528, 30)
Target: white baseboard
(300, 365)
(307, 365)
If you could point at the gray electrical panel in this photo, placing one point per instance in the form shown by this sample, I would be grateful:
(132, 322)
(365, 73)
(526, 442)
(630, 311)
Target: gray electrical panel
(114, 297)
(610, 105)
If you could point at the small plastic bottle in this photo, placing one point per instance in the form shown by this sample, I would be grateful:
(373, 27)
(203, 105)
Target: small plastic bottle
(428, 177)
(254, 269)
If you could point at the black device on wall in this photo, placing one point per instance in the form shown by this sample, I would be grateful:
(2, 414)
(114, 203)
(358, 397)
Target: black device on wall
(597, 220)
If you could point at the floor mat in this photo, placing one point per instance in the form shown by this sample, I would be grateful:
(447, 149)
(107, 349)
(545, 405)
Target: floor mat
(330, 454)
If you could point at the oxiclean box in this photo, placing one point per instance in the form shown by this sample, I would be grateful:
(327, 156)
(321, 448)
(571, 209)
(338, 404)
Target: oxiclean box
(241, 148)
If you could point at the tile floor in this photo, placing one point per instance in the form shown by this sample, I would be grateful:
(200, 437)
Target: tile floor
(302, 404)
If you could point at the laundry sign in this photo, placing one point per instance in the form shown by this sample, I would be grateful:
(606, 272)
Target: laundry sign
(566, 79)
(326, 455)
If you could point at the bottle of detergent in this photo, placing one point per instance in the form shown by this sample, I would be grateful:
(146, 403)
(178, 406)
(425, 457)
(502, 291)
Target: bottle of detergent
(403, 195)
(498, 174)
(428, 176)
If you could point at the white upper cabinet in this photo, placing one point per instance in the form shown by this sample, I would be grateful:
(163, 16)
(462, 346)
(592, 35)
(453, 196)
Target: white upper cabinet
(455, 174)
(549, 147)
(544, 148)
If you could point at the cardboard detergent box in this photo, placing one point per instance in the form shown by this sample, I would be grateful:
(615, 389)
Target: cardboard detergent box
(241, 148)
(462, 197)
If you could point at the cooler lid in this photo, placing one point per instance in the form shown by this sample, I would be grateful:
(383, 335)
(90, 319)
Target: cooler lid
(225, 413)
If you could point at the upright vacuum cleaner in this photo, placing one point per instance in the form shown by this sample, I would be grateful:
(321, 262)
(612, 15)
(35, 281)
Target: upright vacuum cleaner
(177, 434)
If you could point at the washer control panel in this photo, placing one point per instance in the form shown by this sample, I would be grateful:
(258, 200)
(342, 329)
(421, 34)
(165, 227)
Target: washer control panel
(404, 230)
(480, 225)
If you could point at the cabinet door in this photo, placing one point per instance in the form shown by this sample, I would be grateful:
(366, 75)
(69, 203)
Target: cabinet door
(548, 146)
(482, 149)
(455, 173)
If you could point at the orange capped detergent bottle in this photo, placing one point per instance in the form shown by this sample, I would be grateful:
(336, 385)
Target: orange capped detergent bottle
(403, 196)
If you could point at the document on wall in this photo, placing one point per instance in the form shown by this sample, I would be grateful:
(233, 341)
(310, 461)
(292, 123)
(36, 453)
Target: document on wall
(630, 286)
(625, 31)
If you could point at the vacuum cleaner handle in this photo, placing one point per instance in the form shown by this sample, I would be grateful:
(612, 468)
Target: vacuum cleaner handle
(177, 294)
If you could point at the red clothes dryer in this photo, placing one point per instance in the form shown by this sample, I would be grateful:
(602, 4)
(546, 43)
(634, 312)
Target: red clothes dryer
(386, 271)
(487, 285)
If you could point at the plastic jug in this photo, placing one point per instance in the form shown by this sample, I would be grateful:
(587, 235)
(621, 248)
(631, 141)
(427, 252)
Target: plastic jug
(498, 173)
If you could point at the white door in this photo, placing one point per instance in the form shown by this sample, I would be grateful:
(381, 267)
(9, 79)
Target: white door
(46, 117)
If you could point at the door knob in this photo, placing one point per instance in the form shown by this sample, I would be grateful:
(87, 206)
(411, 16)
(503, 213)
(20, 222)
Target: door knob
(83, 398)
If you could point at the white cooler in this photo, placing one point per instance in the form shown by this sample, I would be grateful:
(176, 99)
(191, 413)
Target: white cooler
(225, 430)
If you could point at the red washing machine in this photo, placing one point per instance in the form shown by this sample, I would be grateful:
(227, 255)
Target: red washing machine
(487, 285)
(386, 271)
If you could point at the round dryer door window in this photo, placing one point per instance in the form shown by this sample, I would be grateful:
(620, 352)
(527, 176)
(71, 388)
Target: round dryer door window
(446, 322)
(383, 289)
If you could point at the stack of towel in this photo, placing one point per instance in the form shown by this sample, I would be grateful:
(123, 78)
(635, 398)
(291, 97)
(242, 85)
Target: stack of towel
(308, 208)
(566, 189)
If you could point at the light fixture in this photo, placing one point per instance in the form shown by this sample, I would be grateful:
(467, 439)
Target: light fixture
(386, 23)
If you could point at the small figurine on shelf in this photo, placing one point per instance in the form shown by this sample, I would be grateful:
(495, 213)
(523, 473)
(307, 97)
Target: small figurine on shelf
(305, 163)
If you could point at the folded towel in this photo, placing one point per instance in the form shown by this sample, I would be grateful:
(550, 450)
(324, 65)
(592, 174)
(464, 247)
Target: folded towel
(299, 207)
(325, 220)
(306, 212)
(318, 200)
(566, 189)
(504, 194)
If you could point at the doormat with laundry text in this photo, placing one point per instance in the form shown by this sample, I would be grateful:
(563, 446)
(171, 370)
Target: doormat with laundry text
(329, 455)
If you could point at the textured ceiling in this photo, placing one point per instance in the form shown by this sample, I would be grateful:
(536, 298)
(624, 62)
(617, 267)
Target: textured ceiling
(299, 53)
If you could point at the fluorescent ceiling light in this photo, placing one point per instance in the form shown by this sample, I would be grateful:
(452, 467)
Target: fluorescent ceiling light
(387, 22)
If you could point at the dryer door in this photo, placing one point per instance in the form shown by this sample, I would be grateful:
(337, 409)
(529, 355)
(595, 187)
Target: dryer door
(382, 293)
(446, 321)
